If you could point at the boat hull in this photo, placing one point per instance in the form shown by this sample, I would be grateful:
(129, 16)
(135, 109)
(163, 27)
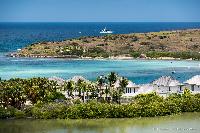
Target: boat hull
(108, 32)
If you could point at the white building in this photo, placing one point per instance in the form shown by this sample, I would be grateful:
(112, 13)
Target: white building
(75, 79)
(129, 89)
(163, 86)
(142, 89)
(59, 81)
(166, 84)
(193, 84)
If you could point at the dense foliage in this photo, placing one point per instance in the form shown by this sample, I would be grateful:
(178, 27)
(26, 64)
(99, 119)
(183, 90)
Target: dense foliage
(96, 52)
(181, 55)
(15, 92)
(157, 54)
(144, 105)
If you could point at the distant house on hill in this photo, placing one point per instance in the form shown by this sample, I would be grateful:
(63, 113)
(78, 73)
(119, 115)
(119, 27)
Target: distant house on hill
(193, 83)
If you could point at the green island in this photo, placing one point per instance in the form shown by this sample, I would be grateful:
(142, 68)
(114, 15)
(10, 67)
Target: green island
(47, 102)
(181, 44)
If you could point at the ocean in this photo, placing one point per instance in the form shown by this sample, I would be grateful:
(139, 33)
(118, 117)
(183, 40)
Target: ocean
(18, 35)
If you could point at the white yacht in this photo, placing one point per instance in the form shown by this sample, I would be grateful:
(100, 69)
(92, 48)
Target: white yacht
(106, 31)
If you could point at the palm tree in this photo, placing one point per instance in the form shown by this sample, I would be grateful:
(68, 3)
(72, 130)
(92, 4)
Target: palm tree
(79, 87)
(84, 89)
(122, 83)
(100, 82)
(112, 78)
(92, 87)
(69, 87)
(107, 91)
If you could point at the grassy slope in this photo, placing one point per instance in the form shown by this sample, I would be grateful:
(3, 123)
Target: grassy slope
(113, 45)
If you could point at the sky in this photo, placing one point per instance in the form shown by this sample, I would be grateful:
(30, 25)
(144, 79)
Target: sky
(99, 10)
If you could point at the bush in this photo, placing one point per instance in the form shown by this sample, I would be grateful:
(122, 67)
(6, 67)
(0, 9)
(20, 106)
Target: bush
(145, 105)
(11, 112)
(135, 54)
(19, 114)
(181, 55)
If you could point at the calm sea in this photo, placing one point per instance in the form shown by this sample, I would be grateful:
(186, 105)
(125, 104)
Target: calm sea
(18, 35)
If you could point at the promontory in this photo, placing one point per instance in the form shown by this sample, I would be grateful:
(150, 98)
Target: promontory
(180, 44)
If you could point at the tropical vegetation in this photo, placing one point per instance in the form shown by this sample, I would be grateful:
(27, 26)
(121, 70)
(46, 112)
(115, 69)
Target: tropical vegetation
(144, 105)
(47, 101)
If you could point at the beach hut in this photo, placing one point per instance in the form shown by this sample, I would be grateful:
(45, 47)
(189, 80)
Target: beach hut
(167, 84)
(193, 84)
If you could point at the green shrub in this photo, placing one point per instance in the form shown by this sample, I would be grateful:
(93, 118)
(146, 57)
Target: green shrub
(11, 112)
(135, 54)
(181, 55)
(144, 105)
(19, 114)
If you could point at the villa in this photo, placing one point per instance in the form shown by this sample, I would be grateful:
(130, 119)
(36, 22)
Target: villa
(75, 79)
(166, 85)
(193, 84)
(163, 86)
(129, 89)
(85, 95)
(59, 81)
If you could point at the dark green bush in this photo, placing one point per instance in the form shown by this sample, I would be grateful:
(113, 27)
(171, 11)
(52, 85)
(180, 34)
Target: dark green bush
(148, 105)
(181, 55)
(11, 112)
(145, 105)
(135, 54)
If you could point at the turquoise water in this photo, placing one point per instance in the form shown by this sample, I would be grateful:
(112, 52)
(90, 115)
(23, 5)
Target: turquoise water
(139, 71)
(19, 35)
(185, 123)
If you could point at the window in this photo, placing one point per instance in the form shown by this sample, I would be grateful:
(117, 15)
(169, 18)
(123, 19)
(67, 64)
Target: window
(128, 90)
(192, 87)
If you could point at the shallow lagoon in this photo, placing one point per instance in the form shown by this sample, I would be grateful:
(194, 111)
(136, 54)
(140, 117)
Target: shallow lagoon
(18, 35)
(139, 71)
(185, 123)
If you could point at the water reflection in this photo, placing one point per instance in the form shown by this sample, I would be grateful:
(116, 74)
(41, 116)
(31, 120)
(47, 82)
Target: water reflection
(185, 123)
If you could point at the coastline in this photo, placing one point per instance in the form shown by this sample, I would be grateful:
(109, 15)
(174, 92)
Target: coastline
(100, 58)
(161, 45)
